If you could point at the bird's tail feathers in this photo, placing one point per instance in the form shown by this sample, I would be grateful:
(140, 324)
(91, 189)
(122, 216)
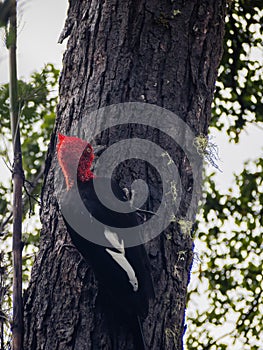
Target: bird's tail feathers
(139, 343)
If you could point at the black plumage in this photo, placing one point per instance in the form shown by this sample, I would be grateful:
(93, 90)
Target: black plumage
(117, 293)
(122, 271)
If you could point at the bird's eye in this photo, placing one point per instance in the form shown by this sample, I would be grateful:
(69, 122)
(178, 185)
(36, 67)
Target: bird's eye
(88, 149)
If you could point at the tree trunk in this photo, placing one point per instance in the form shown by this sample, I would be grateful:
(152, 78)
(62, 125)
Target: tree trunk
(164, 53)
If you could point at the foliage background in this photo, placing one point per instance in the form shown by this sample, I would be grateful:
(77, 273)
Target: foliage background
(225, 300)
(225, 309)
(37, 110)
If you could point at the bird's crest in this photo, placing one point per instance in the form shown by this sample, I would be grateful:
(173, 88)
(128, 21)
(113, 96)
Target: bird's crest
(75, 157)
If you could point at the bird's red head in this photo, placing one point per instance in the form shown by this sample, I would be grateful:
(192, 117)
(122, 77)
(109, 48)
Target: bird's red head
(74, 154)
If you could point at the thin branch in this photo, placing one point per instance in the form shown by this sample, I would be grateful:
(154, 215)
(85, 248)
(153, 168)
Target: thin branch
(239, 323)
(7, 165)
(29, 192)
(5, 222)
(145, 211)
(209, 345)
(18, 180)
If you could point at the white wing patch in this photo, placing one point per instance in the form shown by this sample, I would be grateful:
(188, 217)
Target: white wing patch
(114, 240)
(120, 258)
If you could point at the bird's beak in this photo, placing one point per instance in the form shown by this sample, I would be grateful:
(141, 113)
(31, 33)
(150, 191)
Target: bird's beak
(98, 149)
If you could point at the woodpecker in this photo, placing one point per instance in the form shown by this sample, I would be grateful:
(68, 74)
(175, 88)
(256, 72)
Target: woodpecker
(123, 273)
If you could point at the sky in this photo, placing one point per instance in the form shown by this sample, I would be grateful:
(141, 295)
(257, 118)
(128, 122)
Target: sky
(39, 26)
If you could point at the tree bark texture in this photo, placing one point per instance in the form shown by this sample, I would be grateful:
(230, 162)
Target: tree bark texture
(159, 52)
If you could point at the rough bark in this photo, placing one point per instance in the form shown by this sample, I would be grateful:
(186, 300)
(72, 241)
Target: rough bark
(121, 51)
